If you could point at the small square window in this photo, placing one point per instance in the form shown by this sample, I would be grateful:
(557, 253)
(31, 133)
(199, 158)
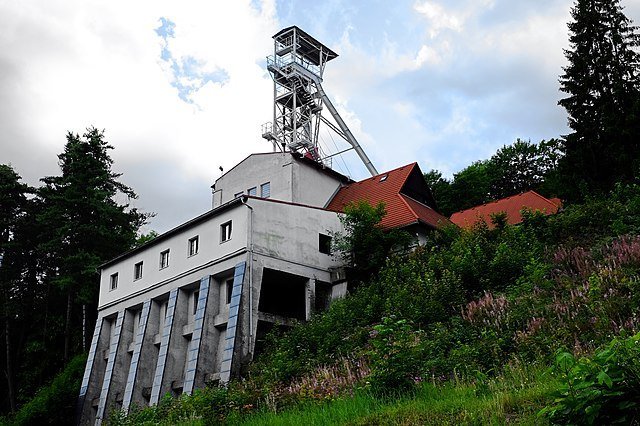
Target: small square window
(113, 281)
(137, 271)
(164, 259)
(324, 243)
(229, 289)
(252, 191)
(225, 232)
(193, 246)
(238, 195)
(265, 190)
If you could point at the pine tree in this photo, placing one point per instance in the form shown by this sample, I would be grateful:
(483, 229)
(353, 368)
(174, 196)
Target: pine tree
(603, 84)
(13, 203)
(85, 226)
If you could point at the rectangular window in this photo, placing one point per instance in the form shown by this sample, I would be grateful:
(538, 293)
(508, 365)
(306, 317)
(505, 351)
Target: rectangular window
(324, 243)
(238, 195)
(163, 314)
(225, 232)
(229, 289)
(196, 294)
(137, 271)
(252, 191)
(193, 246)
(164, 259)
(114, 281)
(137, 316)
(265, 190)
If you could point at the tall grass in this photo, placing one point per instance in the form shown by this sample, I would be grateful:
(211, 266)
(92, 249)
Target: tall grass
(514, 397)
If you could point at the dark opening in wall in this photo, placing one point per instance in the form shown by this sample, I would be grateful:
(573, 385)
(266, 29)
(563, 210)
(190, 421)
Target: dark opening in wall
(324, 243)
(263, 329)
(283, 294)
(323, 296)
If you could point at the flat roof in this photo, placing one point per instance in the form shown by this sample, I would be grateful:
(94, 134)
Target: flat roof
(307, 45)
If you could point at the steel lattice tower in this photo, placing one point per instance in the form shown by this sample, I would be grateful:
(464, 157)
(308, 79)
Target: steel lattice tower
(297, 66)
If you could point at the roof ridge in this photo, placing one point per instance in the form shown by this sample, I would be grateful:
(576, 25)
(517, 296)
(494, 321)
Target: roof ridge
(415, 215)
(544, 198)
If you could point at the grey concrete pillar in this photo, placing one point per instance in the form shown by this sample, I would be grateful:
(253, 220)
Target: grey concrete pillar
(93, 369)
(108, 374)
(231, 333)
(256, 287)
(121, 365)
(164, 347)
(135, 357)
(310, 298)
(196, 337)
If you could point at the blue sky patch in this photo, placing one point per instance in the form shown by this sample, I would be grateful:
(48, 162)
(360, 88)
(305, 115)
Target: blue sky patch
(187, 72)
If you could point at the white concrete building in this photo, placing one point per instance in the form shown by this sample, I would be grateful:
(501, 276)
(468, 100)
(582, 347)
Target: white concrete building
(193, 305)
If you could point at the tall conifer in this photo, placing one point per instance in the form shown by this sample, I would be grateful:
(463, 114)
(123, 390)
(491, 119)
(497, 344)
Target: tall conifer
(86, 226)
(603, 86)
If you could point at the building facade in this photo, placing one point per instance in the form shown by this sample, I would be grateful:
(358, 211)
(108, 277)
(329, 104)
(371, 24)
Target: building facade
(193, 305)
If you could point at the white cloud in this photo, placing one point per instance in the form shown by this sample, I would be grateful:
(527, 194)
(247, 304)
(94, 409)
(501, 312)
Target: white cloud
(85, 63)
(439, 18)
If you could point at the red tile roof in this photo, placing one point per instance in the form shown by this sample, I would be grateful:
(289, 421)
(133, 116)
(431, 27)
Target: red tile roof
(401, 209)
(510, 205)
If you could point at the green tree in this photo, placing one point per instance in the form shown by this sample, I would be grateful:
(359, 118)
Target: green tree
(441, 190)
(522, 166)
(471, 186)
(365, 245)
(602, 81)
(13, 206)
(85, 226)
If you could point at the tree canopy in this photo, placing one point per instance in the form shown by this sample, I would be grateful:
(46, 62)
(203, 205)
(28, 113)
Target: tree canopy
(52, 240)
(515, 168)
(602, 81)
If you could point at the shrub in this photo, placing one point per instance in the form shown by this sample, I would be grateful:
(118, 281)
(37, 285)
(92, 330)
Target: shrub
(602, 389)
(55, 404)
(394, 356)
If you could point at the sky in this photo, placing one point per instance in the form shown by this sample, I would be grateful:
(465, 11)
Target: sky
(181, 87)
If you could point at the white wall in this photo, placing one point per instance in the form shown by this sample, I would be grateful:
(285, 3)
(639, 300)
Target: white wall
(255, 170)
(210, 248)
(290, 232)
(312, 187)
(290, 180)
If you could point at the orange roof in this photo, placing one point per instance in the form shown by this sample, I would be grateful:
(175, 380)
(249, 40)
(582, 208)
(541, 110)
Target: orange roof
(510, 205)
(387, 187)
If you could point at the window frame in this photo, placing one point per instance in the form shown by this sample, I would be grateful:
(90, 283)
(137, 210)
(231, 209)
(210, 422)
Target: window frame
(137, 270)
(229, 289)
(253, 191)
(324, 243)
(113, 281)
(164, 255)
(195, 294)
(266, 185)
(193, 246)
(226, 230)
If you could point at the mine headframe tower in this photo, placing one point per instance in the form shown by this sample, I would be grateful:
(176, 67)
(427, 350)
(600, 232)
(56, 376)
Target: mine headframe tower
(297, 66)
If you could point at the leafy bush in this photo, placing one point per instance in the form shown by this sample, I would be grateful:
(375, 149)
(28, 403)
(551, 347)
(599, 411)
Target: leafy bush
(601, 389)
(393, 356)
(55, 404)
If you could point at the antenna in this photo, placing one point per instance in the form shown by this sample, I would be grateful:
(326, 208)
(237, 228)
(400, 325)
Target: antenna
(296, 67)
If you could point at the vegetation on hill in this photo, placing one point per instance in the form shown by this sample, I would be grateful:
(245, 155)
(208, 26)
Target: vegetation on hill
(535, 323)
(52, 240)
(470, 309)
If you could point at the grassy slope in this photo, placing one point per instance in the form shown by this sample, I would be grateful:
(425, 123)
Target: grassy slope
(514, 398)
